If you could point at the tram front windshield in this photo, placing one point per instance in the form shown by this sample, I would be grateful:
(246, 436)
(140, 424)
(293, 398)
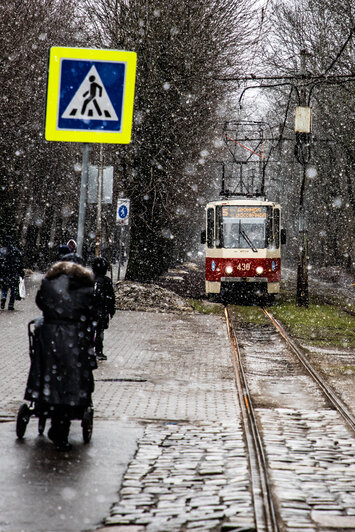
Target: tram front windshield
(243, 227)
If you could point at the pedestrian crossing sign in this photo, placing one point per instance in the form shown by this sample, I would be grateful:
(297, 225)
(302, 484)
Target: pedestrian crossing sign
(90, 95)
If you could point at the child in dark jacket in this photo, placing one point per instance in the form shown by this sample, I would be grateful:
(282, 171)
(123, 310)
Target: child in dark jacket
(104, 297)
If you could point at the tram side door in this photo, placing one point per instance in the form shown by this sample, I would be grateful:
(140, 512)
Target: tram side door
(279, 232)
(210, 228)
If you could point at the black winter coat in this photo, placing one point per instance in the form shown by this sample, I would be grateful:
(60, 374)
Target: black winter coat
(104, 300)
(11, 266)
(61, 372)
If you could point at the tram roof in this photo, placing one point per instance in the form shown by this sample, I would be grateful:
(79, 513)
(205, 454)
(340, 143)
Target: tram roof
(243, 201)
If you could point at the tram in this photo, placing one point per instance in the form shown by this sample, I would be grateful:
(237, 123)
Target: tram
(243, 238)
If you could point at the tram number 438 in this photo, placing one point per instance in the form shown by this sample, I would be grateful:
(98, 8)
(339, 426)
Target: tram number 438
(243, 266)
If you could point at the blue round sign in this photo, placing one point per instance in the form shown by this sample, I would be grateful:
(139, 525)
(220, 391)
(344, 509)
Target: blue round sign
(122, 211)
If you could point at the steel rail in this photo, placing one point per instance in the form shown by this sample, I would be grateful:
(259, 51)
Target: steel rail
(336, 402)
(265, 515)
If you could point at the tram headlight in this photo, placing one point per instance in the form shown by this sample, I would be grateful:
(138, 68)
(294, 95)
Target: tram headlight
(259, 270)
(229, 269)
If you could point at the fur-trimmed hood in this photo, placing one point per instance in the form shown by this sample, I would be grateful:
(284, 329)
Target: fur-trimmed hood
(72, 270)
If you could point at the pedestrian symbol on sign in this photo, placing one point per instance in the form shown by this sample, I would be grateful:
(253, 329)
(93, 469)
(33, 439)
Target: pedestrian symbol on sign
(91, 101)
(93, 87)
(122, 211)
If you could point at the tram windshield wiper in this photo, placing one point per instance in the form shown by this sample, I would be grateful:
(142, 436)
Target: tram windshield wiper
(246, 237)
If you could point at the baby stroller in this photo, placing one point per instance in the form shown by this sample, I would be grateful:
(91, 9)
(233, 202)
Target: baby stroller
(38, 408)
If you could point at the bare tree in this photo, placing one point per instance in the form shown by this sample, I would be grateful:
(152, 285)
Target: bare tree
(183, 48)
(35, 177)
(325, 31)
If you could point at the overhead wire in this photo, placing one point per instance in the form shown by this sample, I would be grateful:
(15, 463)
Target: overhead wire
(293, 86)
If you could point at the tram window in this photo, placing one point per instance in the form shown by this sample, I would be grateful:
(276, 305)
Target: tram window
(210, 227)
(219, 228)
(277, 227)
(244, 235)
(243, 226)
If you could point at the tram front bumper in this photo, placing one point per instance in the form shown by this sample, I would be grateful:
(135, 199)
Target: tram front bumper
(272, 287)
(214, 287)
(244, 279)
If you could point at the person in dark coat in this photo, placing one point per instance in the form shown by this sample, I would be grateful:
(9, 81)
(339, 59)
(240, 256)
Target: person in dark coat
(104, 300)
(11, 269)
(64, 385)
(62, 250)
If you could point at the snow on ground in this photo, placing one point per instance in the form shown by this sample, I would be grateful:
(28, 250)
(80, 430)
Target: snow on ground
(171, 290)
(149, 297)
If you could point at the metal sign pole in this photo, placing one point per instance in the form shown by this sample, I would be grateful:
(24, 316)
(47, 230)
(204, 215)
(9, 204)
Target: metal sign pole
(122, 218)
(99, 204)
(83, 198)
(119, 252)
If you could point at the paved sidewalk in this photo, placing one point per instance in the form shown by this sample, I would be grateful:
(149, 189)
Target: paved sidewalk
(171, 374)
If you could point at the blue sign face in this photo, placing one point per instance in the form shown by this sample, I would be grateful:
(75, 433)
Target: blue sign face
(91, 95)
(122, 211)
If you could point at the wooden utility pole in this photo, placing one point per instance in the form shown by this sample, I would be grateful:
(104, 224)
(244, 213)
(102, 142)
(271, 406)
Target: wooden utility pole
(302, 295)
(303, 137)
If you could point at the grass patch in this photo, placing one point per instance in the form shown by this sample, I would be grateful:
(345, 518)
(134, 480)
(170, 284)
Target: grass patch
(317, 297)
(346, 370)
(206, 307)
(319, 325)
(248, 314)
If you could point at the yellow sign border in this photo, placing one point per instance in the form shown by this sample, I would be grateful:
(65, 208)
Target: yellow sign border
(52, 108)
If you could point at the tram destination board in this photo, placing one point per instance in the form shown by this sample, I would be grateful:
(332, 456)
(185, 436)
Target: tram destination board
(242, 211)
(90, 95)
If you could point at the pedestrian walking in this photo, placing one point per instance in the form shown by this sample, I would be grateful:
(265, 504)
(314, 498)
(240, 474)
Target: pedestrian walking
(104, 297)
(11, 269)
(66, 298)
(62, 250)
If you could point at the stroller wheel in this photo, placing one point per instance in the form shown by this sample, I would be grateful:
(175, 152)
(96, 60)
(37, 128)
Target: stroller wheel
(87, 423)
(22, 420)
(41, 424)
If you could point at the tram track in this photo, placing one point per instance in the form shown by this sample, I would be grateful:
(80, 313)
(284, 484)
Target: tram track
(265, 515)
(336, 402)
(268, 505)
